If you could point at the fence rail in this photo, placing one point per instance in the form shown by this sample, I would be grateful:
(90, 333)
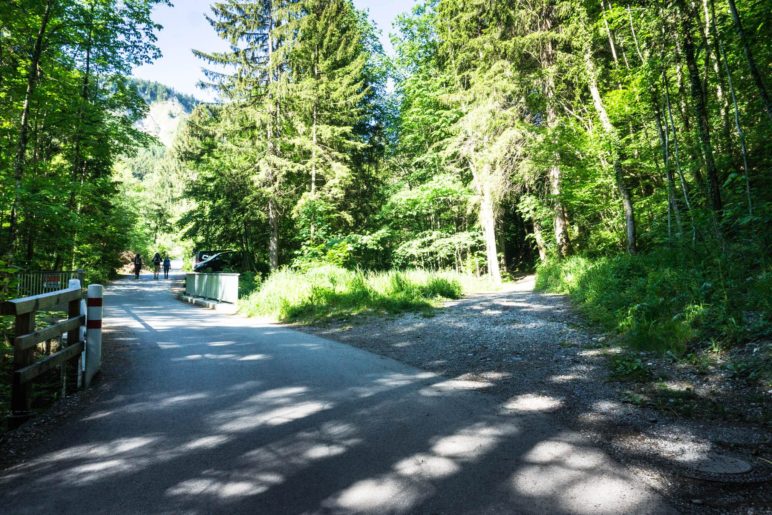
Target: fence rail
(39, 282)
(222, 287)
(25, 368)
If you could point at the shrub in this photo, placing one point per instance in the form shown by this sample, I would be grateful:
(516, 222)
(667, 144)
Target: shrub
(664, 300)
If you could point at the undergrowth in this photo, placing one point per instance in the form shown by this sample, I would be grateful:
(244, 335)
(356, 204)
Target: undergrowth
(327, 292)
(665, 300)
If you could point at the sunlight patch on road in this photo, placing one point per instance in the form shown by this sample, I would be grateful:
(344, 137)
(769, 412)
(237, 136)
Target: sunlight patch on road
(564, 378)
(246, 385)
(206, 442)
(471, 442)
(389, 382)
(452, 385)
(495, 375)
(255, 357)
(530, 402)
(292, 454)
(427, 466)
(225, 490)
(387, 495)
(182, 399)
(606, 406)
(411, 479)
(324, 451)
(198, 357)
(98, 415)
(398, 379)
(279, 393)
(575, 491)
(565, 454)
(101, 466)
(573, 478)
(275, 417)
(99, 450)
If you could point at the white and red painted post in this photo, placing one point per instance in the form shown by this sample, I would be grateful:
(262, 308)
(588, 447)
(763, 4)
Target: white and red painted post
(94, 331)
(76, 283)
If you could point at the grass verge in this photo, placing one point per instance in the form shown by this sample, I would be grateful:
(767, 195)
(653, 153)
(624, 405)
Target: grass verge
(328, 292)
(664, 300)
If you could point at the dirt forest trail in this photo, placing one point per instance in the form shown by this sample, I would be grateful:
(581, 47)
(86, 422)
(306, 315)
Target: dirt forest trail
(210, 413)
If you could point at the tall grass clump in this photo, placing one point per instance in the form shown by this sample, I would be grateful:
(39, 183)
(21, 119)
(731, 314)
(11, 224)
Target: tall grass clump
(328, 291)
(664, 300)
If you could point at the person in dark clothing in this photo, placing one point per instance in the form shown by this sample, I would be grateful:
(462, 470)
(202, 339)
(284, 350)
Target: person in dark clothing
(137, 265)
(156, 265)
(167, 266)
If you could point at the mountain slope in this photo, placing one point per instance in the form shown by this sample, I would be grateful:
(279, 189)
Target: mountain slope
(167, 109)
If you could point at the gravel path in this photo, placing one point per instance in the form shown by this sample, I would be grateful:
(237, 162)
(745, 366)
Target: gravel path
(534, 351)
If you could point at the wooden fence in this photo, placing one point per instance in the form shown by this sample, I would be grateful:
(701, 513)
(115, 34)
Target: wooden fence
(25, 369)
(35, 283)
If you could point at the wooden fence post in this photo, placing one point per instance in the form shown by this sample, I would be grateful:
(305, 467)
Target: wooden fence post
(21, 405)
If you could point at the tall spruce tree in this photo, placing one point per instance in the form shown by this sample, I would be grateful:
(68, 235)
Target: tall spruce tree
(255, 81)
(329, 77)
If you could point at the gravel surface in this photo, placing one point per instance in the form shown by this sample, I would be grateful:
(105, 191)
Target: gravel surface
(534, 351)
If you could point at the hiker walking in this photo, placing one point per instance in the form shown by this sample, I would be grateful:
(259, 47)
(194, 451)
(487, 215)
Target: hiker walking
(156, 265)
(167, 266)
(137, 265)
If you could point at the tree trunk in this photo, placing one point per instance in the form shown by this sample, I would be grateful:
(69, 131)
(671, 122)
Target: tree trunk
(314, 130)
(21, 149)
(711, 44)
(538, 235)
(676, 150)
(749, 57)
(554, 173)
(611, 135)
(272, 136)
(561, 222)
(665, 143)
(273, 240)
(701, 110)
(488, 222)
(684, 111)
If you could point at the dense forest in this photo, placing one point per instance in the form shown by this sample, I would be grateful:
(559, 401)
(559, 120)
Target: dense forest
(619, 148)
(155, 92)
(67, 114)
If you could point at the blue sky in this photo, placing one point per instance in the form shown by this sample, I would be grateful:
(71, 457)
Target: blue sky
(185, 28)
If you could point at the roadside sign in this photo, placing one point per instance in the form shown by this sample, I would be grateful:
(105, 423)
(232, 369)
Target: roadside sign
(51, 282)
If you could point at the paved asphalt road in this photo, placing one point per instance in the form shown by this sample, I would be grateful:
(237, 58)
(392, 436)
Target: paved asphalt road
(221, 414)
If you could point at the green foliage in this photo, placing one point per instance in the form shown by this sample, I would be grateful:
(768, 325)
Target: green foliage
(67, 112)
(626, 367)
(7, 282)
(287, 167)
(249, 282)
(151, 189)
(663, 300)
(332, 292)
